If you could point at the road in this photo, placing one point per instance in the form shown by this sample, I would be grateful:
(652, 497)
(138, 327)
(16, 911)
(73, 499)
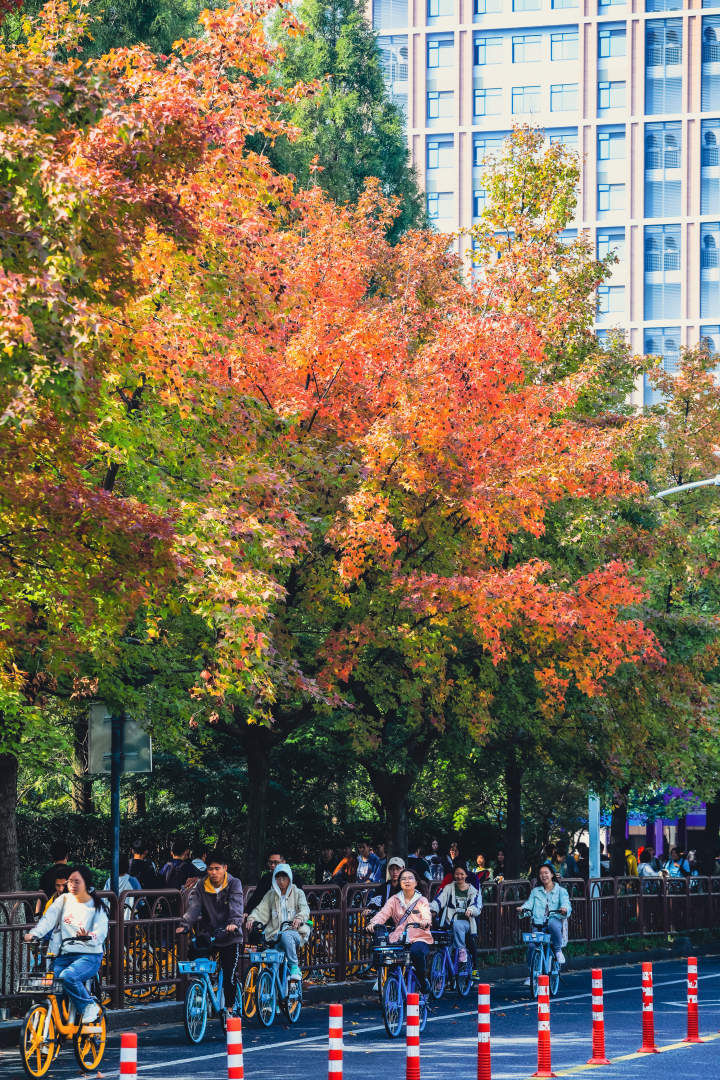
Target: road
(449, 1043)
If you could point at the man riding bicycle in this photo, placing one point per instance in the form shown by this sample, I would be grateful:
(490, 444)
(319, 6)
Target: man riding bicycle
(285, 916)
(549, 906)
(79, 919)
(216, 905)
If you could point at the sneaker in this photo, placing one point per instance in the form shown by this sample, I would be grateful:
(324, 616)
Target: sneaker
(91, 1013)
(376, 985)
(462, 956)
(526, 982)
(295, 975)
(560, 956)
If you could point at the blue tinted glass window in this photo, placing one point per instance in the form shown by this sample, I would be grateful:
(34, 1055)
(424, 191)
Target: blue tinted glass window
(564, 46)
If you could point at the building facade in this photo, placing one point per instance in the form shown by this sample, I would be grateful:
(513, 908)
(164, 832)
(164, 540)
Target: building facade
(634, 86)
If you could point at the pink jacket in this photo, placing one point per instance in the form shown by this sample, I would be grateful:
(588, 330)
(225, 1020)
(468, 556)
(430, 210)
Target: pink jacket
(395, 909)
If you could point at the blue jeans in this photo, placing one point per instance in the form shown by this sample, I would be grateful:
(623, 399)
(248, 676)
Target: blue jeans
(73, 970)
(289, 941)
(555, 930)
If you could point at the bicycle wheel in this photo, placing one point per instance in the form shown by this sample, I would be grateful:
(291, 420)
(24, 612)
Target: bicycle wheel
(196, 1011)
(393, 1005)
(266, 998)
(89, 1044)
(413, 987)
(536, 970)
(554, 977)
(249, 992)
(39, 1041)
(437, 975)
(463, 978)
(292, 1004)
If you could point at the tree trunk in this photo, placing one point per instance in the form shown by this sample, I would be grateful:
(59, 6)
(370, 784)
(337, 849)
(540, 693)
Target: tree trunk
(9, 864)
(393, 790)
(258, 743)
(81, 783)
(708, 846)
(618, 840)
(513, 834)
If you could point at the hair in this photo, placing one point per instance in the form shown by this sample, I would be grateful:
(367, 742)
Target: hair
(59, 851)
(87, 875)
(139, 846)
(179, 845)
(124, 864)
(216, 857)
(459, 866)
(561, 848)
(645, 856)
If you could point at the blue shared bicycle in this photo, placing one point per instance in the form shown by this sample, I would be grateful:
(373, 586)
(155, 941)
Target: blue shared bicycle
(541, 957)
(267, 984)
(446, 967)
(397, 979)
(204, 993)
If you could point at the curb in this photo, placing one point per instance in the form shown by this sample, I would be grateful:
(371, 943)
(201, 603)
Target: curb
(170, 1012)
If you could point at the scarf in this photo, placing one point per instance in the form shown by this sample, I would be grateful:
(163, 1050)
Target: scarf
(210, 888)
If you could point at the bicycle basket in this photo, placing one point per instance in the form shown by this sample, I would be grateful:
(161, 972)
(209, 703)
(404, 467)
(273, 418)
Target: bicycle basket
(32, 983)
(267, 956)
(536, 938)
(201, 965)
(441, 937)
(391, 954)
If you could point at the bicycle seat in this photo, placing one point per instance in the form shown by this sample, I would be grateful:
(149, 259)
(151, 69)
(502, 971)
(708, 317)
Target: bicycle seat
(536, 937)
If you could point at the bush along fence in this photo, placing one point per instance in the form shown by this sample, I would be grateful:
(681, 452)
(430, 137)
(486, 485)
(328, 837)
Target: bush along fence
(142, 950)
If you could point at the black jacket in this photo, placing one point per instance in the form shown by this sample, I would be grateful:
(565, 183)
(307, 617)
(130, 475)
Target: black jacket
(146, 874)
(381, 895)
(213, 911)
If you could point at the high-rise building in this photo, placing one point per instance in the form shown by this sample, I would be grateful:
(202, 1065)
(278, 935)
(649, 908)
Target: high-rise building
(635, 89)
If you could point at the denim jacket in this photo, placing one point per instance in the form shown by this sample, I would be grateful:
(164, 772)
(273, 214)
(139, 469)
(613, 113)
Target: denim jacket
(540, 903)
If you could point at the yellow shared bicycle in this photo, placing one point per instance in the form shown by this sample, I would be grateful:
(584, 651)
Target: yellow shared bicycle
(50, 1022)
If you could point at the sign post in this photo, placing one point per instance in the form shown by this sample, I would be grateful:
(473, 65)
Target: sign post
(117, 744)
(594, 856)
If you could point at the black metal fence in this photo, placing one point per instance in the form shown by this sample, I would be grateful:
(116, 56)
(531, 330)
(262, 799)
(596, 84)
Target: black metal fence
(142, 949)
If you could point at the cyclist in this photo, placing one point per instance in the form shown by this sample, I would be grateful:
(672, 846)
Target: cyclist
(78, 913)
(545, 900)
(284, 904)
(457, 905)
(409, 910)
(382, 893)
(215, 904)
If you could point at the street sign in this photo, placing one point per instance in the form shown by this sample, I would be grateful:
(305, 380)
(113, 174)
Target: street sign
(136, 744)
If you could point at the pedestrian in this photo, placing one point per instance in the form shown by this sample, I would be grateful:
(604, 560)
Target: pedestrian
(677, 865)
(125, 882)
(417, 864)
(368, 865)
(434, 861)
(568, 866)
(381, 853)
(390, 886)
(482, 872)
(346, 870)
(59, 887)
(449, 860)
(215, 905)
(631, 863)
(60, 865)
(583, 860)
(142, 867)
(645, 866)
(324, 865)
(499, 868)
(179, 868)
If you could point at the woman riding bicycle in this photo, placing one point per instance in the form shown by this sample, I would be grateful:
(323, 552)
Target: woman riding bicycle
(409, 911)
(457, 905)
(78, 914)
(549, 906)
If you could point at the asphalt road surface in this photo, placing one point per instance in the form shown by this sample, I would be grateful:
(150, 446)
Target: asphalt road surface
(449, 1043)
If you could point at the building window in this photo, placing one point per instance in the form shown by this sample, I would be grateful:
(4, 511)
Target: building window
(488, 50)
(487, 102)
(487, 7)
(485, 146)
(663, 342)
(662, 169)
(611, 197)
(440, 52)
(525, 99)
(394, 64)
(663, 54)
(710, 82)
(556, 4)
(440, 105)
(389, 14)
(612, 42)
(662, 272)
(603, 5)
(564, 97)
(526, 48)
(441, 9)
(611, 242)
(709, 263)
(479, 200)
(710, 338)
(611, 95)
(441, 205)
(564, 46)
(611, 145)
(710, 174)
(611, 303)
(440, 153)
(663, 5)
(526, 5)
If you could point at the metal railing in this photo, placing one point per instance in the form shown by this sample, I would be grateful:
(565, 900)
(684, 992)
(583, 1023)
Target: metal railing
(142, 949)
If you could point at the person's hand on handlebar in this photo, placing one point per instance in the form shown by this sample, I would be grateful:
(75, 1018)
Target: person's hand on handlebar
(182, 930)
(231, 928)
(28, 938)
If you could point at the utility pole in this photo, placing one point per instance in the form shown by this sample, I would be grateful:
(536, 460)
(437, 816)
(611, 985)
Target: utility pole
(116, 769)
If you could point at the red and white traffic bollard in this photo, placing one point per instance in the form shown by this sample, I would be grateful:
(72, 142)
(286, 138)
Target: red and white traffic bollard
(234, 1048)
(544, 1061)
(128, 1056)
(483, 1062)
(648, 1016)
(598, 1021)
(335, 1042)
(412, 1038)
(693, 1025)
